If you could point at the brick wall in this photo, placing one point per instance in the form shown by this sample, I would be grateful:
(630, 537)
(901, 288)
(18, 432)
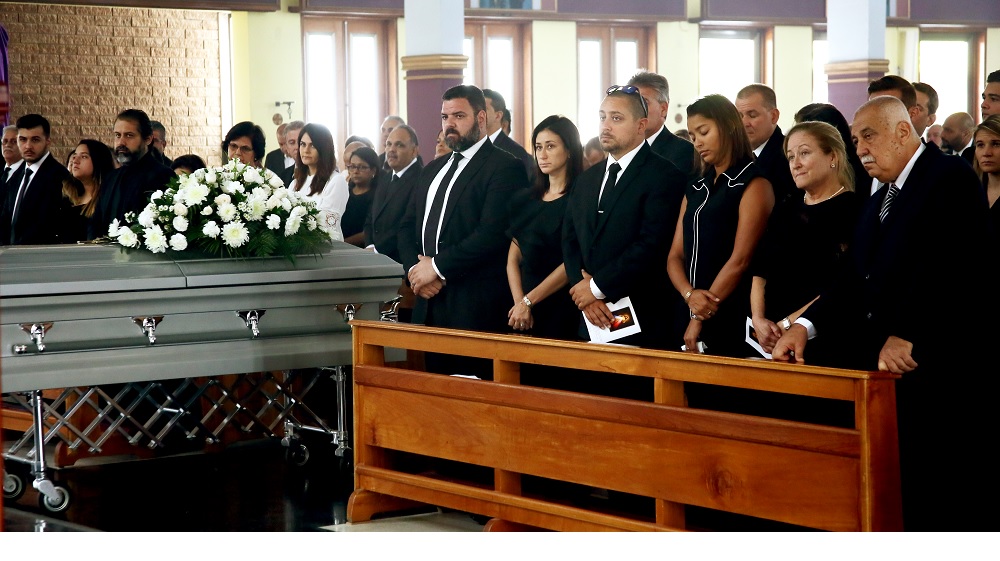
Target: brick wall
(80, 65)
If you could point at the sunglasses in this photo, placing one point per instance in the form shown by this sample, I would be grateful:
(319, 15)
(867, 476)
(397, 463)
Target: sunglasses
(631, 90)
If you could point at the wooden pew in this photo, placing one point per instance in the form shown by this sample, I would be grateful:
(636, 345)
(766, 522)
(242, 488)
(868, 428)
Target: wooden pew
(809, 475)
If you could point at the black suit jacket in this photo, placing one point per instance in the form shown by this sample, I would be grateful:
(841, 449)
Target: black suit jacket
(37, 220)
(472, 243)
(774, 165)
(625, 247)
(288, 175)
(388, 207)
(275, 161)
(508, 145)
(675, 150)
(127, 189)
(969, 154)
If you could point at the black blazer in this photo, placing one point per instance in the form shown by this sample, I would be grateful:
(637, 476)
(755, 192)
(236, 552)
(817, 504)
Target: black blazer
(675, 150)
(275, 161)
(774, 165)
(472, 243)
(127, 189)
(388, 207)
(288, 175)
(969, 154)
(625, 247)
(508, 145)
(37, 220)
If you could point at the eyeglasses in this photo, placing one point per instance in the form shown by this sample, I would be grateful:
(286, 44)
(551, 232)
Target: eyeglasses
(233, 147)
(358, 167)
(631, 90)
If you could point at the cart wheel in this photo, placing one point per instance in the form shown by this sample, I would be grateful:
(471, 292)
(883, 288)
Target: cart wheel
(298, 454)
(58, 503)
(13, 486)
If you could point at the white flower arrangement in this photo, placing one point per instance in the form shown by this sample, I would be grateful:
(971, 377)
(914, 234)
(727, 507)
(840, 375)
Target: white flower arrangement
(233, 210)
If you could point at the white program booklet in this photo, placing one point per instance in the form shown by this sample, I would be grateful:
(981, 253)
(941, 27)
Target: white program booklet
(625, 323)
(752, 340)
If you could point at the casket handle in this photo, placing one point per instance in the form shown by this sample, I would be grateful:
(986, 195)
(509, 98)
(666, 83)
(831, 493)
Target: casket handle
(390, 309)
(252, 318)
(147, 325)
(349, 310)
(36, 331)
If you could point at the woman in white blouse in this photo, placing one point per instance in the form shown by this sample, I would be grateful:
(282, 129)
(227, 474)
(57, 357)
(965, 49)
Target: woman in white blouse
(317, 178)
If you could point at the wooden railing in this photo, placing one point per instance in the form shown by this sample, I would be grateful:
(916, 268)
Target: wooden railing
(809, 475)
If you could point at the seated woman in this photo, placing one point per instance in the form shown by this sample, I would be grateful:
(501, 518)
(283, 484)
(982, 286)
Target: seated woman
(92, 160)
(364, 167)
(535, 269)
(187, 164)
(722, 218)
(986, 141)
(816, 228)
(317, 178)
(353, 143)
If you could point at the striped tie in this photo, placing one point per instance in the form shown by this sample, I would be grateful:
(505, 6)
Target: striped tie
(887, 203)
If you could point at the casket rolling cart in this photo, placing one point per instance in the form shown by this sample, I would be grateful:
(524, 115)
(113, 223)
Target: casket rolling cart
(144, 347)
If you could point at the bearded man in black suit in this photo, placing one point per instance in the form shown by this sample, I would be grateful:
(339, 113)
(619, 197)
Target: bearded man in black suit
(921, 243)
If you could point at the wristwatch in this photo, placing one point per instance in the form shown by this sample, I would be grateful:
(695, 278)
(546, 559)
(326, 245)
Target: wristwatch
(785, 324)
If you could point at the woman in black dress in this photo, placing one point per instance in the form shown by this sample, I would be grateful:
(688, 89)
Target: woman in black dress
(816, 228)
(722, 218)
(535, 269)
(363, 167)
(92, 160)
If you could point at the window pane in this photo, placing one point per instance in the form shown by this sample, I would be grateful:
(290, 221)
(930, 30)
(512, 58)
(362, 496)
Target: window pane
(821, 92)
(365, 118)
(500, 67)
(321, 79)
(591, 88)
(626, 60)
(726, 65)
(945, 66)
(469, 74)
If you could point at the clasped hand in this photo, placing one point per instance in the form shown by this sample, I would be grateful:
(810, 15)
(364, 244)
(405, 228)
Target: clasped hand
(767, 332)
(703, 304)
(424, 279)
(596, 311)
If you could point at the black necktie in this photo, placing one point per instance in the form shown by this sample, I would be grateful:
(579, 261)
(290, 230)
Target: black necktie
(394, 179)
(613, 170)
(20, 192)
(887, 202)
(431, 225)
(6, 173)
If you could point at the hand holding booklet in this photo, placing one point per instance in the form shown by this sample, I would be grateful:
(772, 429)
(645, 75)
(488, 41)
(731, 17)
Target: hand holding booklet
(623, 324)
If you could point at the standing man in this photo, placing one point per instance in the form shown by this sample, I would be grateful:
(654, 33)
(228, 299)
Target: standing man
(277, 160)
(159, 143)
(927, 104)
(620, 220)
(925, 228)
(656, 91)
(956, 135)
(495, 108)
(291, 144)
(34, 197)
(991, 95)
(758, 108)
(453, 239)
(11, 156)
(127, 189)
(389, 123)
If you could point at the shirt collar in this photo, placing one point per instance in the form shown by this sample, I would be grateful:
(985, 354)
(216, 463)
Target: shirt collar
(468, 153)
(760, 148)
(909, 166)
(493, 137)
(34, 167)
(625, 161)
(15, 165)
(408, 166)
(652, 137)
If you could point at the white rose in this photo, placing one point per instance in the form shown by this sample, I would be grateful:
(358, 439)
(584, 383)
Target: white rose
(211, 176)
(261, 193)
(223, 199)
(178, 242)
(211, 229)
(251, 175)
(179, 209)
(156, 195)
(227, 212)
(273, 222)
(146, 217)
(207, 211)
(155, 240)
(127, 238)
(286, 204)
(235, 234)
(275, 181)
(180, 224)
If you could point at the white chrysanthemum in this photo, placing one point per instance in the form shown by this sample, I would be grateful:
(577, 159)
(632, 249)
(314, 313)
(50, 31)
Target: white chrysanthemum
(311, 223)
(211, 229)
(127, 238)
(147, 216)
(207, 211)
(227, 212)
(179, 209)
(223, 199)
(275, 181)
(193, 194)
(286, 204)
(113, 228)
(292, 225)
(232, 187)
(235, 234)
(155, 240)
(273, 221)
(254, 208)
(251, 175)
(180, 224)
(178, 242)
(156, 195)
(261, 193)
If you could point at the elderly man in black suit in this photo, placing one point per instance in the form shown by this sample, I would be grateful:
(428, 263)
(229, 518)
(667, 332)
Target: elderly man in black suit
(758, 108)
(34, 193)
(921, 243)
(453, 239)
(495, 109)
(656, 91)
(619, 224)
(11, 156)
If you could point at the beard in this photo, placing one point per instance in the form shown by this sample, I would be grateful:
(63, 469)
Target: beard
(124, 156)
(464, 142)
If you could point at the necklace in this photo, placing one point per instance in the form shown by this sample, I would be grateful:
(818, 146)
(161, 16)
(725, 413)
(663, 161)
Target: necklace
(837, 192)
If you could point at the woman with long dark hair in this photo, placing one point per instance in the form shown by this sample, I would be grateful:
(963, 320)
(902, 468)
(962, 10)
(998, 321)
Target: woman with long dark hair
(316, 176)
(363, 166)
(722, 218)
(535, 269)
(92, 160)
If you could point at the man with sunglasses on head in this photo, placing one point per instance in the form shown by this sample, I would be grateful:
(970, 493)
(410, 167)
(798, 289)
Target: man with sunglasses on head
(619, 223)
(758, 109)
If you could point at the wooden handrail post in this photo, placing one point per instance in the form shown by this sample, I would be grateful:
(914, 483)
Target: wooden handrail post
(507, 372)
(667, 392)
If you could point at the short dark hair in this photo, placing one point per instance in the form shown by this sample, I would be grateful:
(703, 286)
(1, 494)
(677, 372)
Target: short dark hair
(468, 92)
(647, 79)
(140, 118)
(496, 100)
(250, 130)
(412, 133)
(361, 139)
(506, 116)
(770, 100)
(893, 82)
(192, 162)
(32, 120)
(158, 126)
(932, 96)
(993, 76)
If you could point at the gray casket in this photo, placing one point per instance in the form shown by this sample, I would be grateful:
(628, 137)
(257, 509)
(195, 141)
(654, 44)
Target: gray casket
(91, 302)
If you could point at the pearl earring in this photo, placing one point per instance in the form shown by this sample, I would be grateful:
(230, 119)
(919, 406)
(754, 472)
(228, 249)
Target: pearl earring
(833, 164)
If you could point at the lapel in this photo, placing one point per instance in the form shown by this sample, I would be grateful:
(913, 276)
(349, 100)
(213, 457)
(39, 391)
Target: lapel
(386, 190)
(424, 187)
(612, 198)
(588, 199)
(465, 178)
